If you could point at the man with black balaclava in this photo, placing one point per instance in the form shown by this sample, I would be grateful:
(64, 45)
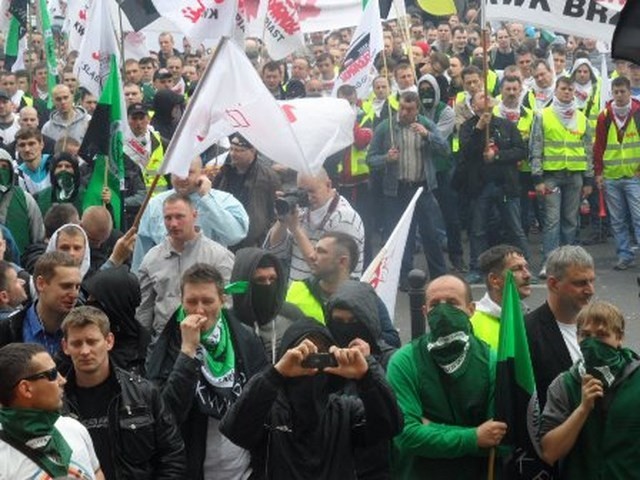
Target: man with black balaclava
(168, 107)
(19, 212)
(258, 286)
(64, 172)
(432, 107)
(444, 384)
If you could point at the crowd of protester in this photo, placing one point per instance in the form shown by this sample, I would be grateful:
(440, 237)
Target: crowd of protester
(227, 335)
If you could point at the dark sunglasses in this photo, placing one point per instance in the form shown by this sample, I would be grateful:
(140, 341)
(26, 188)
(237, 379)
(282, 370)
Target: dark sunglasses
(51, 375)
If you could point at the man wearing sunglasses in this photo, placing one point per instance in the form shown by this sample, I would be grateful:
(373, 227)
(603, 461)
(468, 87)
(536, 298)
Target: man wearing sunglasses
(35, 441)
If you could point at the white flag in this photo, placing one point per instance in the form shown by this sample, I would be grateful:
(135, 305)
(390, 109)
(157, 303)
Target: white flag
(357, 66)
(281, 29)
(75, 23)
(605, 85)
(383, 274)
(98, 43)
(5, 15)
(200, 19)
(231, 97)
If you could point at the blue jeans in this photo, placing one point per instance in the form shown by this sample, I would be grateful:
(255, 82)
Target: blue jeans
(492, 196)
(561, 208)
(623, 200)
(425, 216)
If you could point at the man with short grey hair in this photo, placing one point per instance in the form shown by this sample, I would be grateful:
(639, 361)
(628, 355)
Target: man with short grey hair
(551, 328)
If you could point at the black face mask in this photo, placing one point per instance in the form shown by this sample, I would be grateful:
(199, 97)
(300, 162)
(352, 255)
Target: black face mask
(428, 98)
(344, 333)
(264, 300)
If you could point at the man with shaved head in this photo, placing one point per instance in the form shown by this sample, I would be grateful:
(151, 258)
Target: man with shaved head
(443, 382)
(66, 119)
(318, 209)
(220, 215)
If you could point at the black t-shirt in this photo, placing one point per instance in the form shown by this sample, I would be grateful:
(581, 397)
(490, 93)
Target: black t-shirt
(503, 60)
(93, 407)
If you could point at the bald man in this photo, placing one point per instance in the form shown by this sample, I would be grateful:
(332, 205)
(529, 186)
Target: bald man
(29, 117)
(66, 119)
(220, 215)
(294, 235)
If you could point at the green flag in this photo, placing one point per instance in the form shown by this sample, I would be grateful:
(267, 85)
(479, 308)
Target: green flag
(515, 383)
(49, 51)
(17, 30)
(104, 140)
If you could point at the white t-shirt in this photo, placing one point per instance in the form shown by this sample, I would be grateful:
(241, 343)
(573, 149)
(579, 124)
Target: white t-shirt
(569, 333)
(14, 465)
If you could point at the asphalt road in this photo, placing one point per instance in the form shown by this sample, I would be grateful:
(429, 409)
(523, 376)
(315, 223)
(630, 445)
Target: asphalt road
(619, 288)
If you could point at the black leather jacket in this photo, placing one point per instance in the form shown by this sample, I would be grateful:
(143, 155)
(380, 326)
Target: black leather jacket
(146, 442)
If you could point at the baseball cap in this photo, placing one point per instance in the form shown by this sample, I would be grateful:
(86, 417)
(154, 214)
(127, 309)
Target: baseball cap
(137, 108)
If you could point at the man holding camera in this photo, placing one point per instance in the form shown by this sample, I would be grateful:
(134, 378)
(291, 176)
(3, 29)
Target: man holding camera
(252, 182)
(299, 227)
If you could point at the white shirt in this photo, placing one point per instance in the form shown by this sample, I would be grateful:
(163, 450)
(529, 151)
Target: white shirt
(569, 333)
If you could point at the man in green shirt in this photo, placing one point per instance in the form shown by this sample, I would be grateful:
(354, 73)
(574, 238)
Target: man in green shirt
(444, 384)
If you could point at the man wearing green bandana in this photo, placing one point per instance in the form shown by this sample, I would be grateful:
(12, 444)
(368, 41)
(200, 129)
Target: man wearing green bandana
(591, 412)
(444, 383)
(64, 174)
(35, 441)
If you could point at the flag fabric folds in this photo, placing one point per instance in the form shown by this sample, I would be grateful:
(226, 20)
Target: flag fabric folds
(49, 51)
(103, 142)
(366, 43)
(99, 43)
(199, 21)
(626, 38)
(140, 13)
(383, 274)
(282, 35)
(17, 30)
(231, 97)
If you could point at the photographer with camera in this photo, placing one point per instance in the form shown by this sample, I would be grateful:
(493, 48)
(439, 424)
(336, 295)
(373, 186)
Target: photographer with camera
(250, 180)
(304, 416)
(301, 224)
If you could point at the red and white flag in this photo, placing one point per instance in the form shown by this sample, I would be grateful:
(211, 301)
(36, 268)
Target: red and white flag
(357, 67)
(231, 97)
(383, 274)
(200, 19)
(98, 44)
(75, 23)
(281, 27)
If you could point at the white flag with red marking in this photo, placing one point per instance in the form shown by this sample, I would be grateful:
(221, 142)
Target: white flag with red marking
(383, 274)
(200, 19)
(98, 44)
(231, 97)
(281, 27)
(357, 67)
(75, 23)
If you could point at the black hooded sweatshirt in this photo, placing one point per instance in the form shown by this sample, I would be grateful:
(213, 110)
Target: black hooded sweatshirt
(306, 427)
(163, 121)
(271, 318)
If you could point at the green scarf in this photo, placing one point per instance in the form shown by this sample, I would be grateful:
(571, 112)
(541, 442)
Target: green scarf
(33, 428)
(219, 356)
(450, 331)
(603, 361)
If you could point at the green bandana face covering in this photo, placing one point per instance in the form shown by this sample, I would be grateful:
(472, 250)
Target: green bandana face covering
(35, 428)
(5, 180)
(450, 330)
(603, 361)
(66, 185)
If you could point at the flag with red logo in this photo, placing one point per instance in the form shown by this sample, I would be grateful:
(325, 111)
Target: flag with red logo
(98, 44)
(357, 66)
(282, 34)
(200, 19)
(383, 274)
(75, 23)
(231, 97)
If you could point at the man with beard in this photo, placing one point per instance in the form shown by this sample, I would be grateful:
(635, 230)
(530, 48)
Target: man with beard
(444, 383)
(494, 265)
(561, 166)
(300, 421)
(589, 417)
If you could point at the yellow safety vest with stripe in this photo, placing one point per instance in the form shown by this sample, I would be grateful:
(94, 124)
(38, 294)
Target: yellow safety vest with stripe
(455, 138)
(486, 327)
(300, 295)
(524, 127)
(155, 161)
(358, 159)
(563, 148)
(622, 159)
(592, 107)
